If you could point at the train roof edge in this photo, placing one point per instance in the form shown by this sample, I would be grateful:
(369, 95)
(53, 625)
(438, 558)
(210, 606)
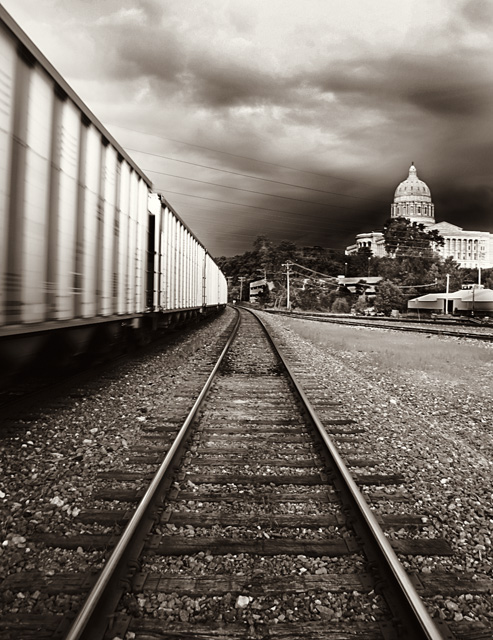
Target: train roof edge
(43, 61)
(165, 203)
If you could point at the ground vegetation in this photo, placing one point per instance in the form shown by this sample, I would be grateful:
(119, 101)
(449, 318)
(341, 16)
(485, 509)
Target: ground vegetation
(412, 267)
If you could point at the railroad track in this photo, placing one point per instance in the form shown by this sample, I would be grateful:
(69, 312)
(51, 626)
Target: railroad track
(444, 329)
(250, 527)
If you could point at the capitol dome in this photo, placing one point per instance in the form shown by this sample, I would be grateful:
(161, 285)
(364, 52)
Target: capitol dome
(412, 200)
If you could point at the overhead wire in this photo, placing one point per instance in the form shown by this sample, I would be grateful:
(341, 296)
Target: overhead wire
(249, 206)
(247, 175)
(261, 193)
(300, 266)
(235, 155)
(412, 245)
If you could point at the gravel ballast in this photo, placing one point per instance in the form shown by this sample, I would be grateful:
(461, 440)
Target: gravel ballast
(53, 461)
(437, 431)
(438, 436)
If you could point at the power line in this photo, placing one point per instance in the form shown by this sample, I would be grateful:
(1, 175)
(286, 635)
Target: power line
(312, 270)
(247, 175)
(260, 193)
(235, 155)
(237, 204)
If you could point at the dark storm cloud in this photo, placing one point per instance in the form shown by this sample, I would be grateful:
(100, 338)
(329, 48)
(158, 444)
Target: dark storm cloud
(200, 75)
(354, 95)
(459, 101)
(479, 13)
(166, 50)
(143, 43)
(453, 201)
(226, 84)
(440, 86)
(463, 88)
(132, 58)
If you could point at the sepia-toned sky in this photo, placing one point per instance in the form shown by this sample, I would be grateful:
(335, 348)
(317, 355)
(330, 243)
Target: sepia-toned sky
(296, 120)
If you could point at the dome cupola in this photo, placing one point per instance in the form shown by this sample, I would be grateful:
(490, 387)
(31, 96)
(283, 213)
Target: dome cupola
(412, 200)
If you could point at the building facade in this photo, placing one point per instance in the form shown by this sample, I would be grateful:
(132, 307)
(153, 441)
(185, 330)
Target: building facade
(412, 200)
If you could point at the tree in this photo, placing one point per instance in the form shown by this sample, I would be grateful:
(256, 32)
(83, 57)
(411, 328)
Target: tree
(439, 272)
(410, 239)
(487, 278)
(359, 263)
(284, 251)
(268, 259)
(389, 296)
(472, 276)
(412, 259)
(313, 295)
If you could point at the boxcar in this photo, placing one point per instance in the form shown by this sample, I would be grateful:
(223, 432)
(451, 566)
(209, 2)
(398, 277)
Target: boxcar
(88, 253)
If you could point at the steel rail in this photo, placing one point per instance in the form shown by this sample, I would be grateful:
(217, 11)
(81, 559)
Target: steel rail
(91, 622)
(419, 624)
(392, 326)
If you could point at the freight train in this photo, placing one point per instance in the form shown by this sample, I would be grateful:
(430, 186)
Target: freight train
(89, 255)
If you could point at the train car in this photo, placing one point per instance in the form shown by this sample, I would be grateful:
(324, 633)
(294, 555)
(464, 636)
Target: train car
(88, 254)
(183, 277)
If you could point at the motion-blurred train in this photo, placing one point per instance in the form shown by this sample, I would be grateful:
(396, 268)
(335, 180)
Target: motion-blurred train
(88, 253)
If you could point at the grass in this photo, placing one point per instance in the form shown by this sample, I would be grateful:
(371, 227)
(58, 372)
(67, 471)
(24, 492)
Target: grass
(443, 359)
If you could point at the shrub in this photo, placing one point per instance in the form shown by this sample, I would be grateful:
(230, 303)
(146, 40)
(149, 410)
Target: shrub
(389, 297)
(361, 304)
(340, 305)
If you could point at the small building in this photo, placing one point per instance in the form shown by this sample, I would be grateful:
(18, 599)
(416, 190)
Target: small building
(256, 288)
(372, 240)
(466, 301)
(363, 284)
(476, 300)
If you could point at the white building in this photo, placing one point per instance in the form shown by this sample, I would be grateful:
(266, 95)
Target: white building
(372, 240)
(412, 200)
(476, 300)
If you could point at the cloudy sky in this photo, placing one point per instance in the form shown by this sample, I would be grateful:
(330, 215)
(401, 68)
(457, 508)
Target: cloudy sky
(296, 120)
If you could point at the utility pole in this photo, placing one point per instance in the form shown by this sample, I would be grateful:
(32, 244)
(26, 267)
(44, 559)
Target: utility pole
(288, 302)
(242, 280)
(446, 294)
(474, 286)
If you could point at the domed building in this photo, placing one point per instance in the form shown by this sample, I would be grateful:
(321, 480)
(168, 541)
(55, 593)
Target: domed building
(412, 200)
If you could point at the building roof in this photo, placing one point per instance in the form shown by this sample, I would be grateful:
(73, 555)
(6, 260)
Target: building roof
(447, 227)
(412, 189)
(479, 295)
(466, 295)
(361, 279)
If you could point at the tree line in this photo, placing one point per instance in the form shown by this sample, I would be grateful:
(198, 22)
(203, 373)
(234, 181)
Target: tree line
(411, 268)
